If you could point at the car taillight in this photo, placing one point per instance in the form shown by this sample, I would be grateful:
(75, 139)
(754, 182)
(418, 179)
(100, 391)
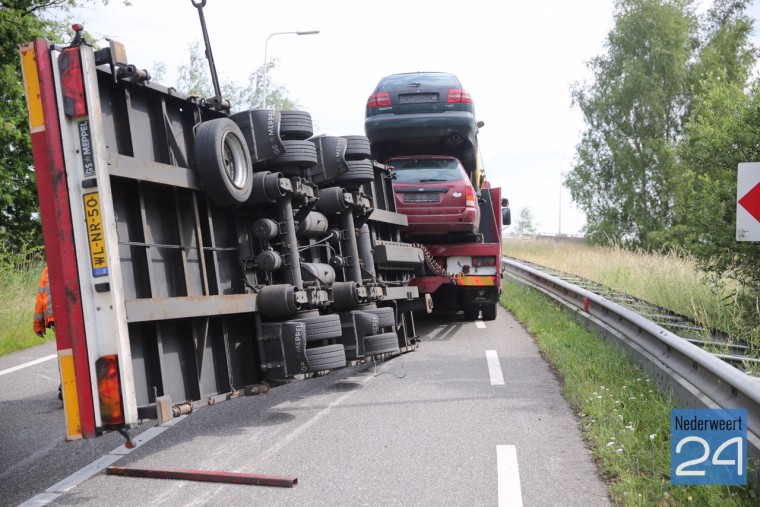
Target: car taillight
(457, 95)
(470, 197)
(70, 63)
(109, 389)
(480, 262)
(379, 100)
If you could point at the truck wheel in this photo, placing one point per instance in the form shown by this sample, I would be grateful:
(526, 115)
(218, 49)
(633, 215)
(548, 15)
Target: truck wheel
(357, 148)
(385, 316)
(321, 327)
(223, 162)
(328, 357)
(380, 344)
(471, 312)
(297, 154)
(296, 125)
(489, 311)
(359, 171)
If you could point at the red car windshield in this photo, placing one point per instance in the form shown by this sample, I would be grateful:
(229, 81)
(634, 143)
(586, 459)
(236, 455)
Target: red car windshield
(429, 170)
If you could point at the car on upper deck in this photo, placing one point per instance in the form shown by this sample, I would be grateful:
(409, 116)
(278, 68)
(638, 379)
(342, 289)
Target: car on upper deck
(419, 113)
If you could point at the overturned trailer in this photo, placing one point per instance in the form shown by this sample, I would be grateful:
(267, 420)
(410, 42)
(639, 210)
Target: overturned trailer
(196, 254)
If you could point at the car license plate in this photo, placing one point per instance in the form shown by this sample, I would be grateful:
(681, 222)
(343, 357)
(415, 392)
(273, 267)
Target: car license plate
(418, 98)
(95, 234)
(422, 197)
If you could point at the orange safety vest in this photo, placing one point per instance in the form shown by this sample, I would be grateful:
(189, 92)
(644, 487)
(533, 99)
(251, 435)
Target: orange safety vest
(43, 308)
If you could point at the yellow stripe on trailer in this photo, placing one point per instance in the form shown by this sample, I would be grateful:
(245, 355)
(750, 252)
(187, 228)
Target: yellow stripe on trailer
(477, 281)
(32, 84)
(70, 398)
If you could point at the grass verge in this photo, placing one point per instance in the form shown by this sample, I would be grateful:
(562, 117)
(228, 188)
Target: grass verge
(18, 292)
(624, 418)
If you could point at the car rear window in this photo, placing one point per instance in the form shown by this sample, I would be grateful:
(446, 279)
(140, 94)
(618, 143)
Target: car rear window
(396, 81)
(427, 170)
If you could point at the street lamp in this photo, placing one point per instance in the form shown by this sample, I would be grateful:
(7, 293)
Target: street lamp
(310, 32)
(559, 224)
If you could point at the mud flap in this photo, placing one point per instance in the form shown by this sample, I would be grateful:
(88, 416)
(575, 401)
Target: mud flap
(291, 338)
(331, 161)
(261, 129)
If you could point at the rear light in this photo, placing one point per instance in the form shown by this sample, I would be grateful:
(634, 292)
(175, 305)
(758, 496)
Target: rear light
(70, 63)
(470, 197)
(379, 100)
(109, 389)
(457, 95)
(480, 262)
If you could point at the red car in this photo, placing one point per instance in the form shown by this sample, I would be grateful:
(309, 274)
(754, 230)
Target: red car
(435, 194)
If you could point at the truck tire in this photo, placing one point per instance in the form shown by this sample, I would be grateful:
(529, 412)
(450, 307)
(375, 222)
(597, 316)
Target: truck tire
(381, 344)
(489, 311)
(298, 154)
(223, 162)
(385, 316)
(328, 357)
(359, 171)
(357, 148)
(296, 125)
(321, 327)
(471, 312)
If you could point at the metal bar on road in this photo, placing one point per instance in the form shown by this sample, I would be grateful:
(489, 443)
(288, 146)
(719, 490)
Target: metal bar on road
(205, 475)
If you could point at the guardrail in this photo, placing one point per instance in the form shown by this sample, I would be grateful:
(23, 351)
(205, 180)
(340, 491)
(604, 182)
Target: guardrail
(696, 378)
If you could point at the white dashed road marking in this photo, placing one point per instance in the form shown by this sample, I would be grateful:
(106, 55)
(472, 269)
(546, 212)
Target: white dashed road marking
(480, 324)
(494, 368)
(510, 491)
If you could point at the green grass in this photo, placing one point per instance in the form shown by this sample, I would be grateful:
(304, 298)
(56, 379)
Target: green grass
(624, 418)
(18, 293)
(671, 280)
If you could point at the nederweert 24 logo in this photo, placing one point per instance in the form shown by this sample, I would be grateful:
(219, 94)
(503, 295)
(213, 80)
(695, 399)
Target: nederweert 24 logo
(708, 446)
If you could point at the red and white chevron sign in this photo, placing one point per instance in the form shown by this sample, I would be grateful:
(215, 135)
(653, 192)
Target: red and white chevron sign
(748, 202)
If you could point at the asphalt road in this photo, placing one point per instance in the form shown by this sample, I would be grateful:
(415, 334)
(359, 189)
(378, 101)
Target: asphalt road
(474, 416)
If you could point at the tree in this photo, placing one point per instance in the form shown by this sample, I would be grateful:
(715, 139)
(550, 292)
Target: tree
(21, 21)
(634, 110)
(722, 134)
(525, 222)
(195, 78)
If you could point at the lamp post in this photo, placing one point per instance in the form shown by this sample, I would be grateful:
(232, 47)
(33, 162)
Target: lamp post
(559, 223)
(310, 32)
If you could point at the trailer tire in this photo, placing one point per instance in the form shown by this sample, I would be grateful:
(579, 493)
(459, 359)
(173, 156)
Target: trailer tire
(298, 154)
(357, 148)
(328, 357)
(321, 327)
(385, 316)
(381, 344)
(296, 125)
(359, 171)
(223, 162)
(489, 311)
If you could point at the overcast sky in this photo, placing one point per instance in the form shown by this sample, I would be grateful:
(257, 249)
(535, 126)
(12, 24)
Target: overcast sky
(517, 59)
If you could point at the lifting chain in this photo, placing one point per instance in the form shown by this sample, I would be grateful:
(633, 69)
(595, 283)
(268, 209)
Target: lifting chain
(436, 268)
